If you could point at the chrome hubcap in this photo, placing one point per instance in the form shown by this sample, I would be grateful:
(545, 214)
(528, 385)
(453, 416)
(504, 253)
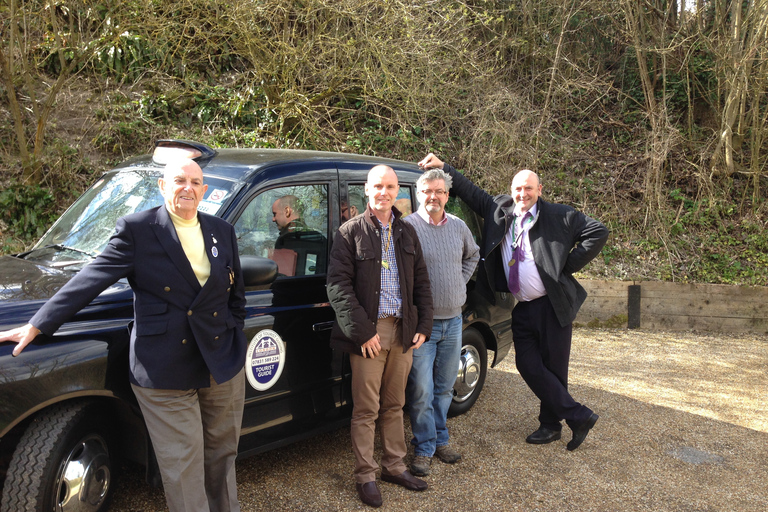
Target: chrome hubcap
(85, 477)
(469, 374)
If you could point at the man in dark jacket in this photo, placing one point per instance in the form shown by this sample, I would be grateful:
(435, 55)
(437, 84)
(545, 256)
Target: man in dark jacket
(379, 288)
(531, 248)
(187, 348)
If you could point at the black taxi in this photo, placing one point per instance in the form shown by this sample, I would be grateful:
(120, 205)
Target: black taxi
(67, 411)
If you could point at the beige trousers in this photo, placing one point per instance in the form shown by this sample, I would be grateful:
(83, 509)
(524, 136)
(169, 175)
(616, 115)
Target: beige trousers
(378, 392)
(195, 434)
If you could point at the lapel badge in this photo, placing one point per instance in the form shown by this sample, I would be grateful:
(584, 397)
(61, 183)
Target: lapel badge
(215, 252)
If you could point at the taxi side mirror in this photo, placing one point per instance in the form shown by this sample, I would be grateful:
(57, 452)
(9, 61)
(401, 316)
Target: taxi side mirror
(257, 271)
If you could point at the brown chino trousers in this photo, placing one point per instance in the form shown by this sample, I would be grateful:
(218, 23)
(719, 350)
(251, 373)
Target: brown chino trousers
(378, 392)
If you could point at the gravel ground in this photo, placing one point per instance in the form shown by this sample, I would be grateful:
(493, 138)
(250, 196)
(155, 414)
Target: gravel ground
(683, 427)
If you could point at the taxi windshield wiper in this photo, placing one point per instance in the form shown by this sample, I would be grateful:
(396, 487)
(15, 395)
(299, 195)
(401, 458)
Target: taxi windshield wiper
(62, 247)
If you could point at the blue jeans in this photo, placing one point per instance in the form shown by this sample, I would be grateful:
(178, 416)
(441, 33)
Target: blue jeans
(430, 385)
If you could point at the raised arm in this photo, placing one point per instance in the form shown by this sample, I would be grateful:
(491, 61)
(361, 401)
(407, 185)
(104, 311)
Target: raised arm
(476, 198)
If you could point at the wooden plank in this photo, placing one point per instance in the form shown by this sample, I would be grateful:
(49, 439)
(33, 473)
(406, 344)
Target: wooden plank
(588, 314)
(607, 288)
(679, 306)
(694, 307)
(655, 289)
(702, 323)
(606, 302)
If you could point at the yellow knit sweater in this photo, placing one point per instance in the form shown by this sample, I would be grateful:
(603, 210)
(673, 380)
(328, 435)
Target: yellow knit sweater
(191, 238)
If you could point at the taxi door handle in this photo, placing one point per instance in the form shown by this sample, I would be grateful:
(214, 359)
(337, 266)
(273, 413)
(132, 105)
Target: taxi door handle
(323, 326)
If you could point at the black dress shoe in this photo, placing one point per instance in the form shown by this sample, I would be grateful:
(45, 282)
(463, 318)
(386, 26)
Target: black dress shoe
(369, 493)
(580, 432)
(407, 480)
(543, 436)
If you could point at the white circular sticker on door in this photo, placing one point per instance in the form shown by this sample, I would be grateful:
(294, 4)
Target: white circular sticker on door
(264, 360)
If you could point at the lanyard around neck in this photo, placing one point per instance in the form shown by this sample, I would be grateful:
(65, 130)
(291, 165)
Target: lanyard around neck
(518, 237)
(389, 237)
(387, 242)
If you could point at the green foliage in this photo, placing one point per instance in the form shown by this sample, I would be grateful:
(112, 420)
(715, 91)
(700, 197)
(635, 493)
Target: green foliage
(121, 137)
(27, 210)
(125, 55)
(707, 242)
(47, 58)
(210, 106)
(9, 245)
(375, 139)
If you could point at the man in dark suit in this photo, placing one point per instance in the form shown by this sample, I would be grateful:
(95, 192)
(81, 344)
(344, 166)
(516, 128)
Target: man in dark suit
(187, 348)
(531, 248)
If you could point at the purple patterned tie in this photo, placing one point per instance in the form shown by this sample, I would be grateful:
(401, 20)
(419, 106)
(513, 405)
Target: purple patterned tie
(517, 256)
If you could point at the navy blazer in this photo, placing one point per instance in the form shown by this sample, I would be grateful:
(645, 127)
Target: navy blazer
(563, 241)
(183, 333)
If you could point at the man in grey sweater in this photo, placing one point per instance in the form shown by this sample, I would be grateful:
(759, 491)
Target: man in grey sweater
(451, 255)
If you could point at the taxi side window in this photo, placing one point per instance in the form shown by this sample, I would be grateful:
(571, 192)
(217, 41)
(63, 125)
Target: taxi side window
(288, 225)
(357, 200)
(460, 209)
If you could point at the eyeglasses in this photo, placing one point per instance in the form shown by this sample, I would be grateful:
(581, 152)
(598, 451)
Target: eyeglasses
(438, 193)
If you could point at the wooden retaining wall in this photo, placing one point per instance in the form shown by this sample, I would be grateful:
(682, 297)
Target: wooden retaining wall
(675, 307)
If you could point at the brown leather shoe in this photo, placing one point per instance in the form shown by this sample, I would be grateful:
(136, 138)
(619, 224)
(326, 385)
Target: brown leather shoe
(369, 493)
(407, 480)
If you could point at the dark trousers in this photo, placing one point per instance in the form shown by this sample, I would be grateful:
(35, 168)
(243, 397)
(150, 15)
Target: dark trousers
(542, 353)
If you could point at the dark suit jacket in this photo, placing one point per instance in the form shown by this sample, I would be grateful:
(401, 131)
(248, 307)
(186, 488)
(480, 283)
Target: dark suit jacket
(183, 333)
(563, 241)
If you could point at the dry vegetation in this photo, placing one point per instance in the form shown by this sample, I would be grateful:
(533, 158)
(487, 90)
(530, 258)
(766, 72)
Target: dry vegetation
(648, 116)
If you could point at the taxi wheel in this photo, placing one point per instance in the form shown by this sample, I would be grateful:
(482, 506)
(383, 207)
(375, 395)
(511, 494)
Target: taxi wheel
(62, 463)
(473, 365)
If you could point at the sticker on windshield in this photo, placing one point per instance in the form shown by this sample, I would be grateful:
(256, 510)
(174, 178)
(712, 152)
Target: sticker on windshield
(207, 207)
(264, 360)
(217, 195)
(133, 201)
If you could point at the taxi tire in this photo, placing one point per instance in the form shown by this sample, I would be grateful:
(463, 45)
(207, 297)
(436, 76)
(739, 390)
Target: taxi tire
(473, 367)
(57, 439)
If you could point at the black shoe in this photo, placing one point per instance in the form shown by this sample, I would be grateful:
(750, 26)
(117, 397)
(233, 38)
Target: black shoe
(580, 432)
(369, 493)
(543, 436)
(407, 480)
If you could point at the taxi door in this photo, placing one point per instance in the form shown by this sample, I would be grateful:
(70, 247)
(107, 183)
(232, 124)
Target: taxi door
(294, 379)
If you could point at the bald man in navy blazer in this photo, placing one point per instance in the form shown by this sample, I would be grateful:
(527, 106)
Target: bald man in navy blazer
(187, 349)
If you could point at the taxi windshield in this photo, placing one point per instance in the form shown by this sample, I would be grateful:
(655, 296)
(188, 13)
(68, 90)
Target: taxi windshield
(83, 231)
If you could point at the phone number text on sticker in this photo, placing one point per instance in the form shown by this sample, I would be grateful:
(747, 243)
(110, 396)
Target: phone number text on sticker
(264, 360)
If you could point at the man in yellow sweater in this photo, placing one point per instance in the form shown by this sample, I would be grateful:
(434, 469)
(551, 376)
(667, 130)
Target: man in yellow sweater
(187, 347)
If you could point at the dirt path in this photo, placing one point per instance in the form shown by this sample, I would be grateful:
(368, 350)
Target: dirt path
(683, 427)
